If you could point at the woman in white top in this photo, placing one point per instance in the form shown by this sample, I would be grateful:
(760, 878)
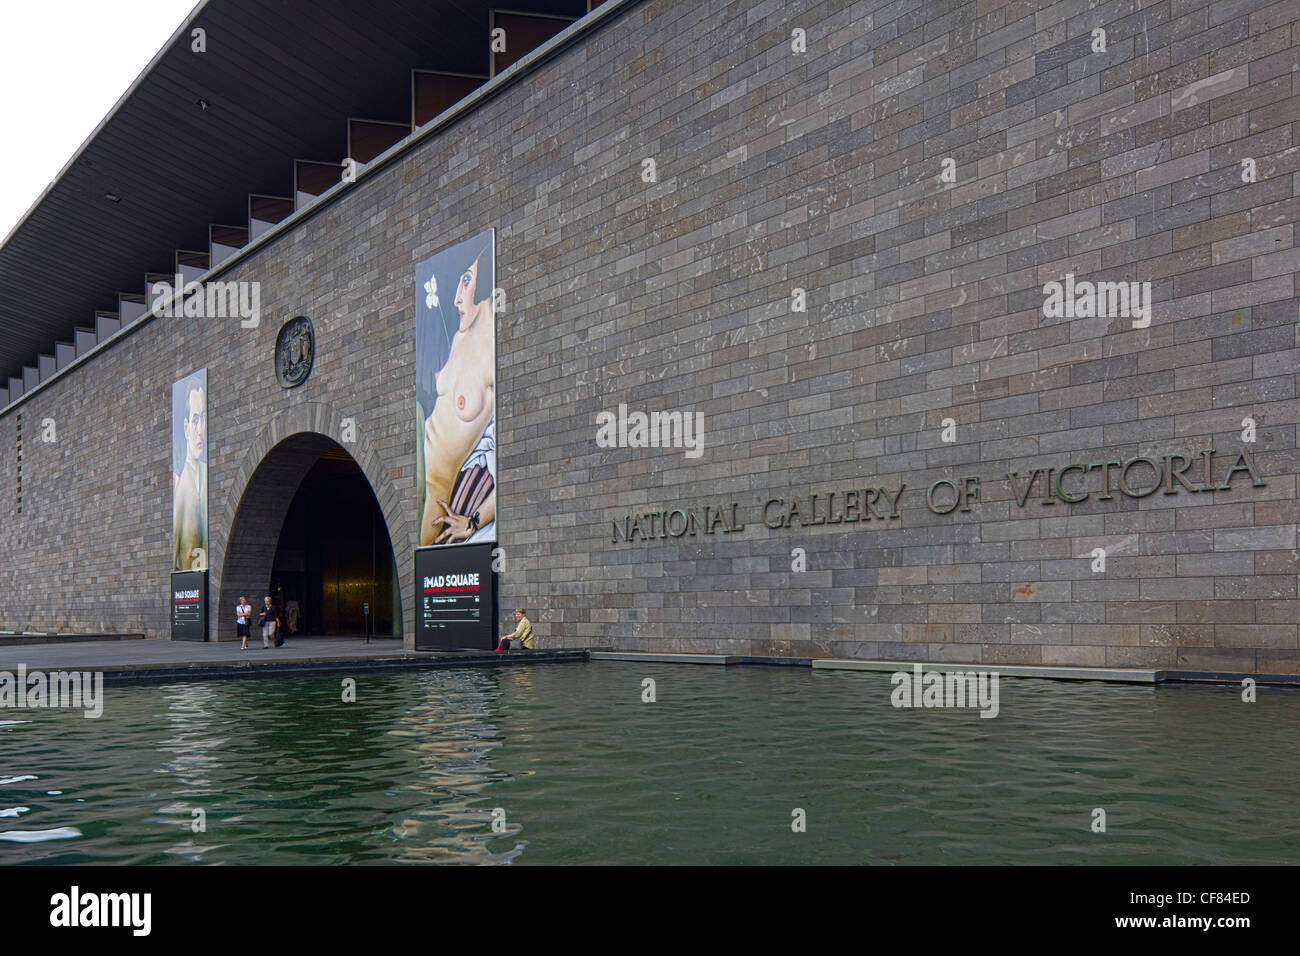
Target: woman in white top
(242, 612)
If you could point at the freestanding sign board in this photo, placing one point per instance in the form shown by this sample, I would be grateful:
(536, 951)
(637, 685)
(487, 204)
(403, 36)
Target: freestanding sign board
(457, 591)
(189, 605)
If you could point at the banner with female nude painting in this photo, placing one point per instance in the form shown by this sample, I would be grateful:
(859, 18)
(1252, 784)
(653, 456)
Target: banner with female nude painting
(455, 393)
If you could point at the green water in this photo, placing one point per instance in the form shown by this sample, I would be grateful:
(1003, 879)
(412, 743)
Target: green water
(711, 772)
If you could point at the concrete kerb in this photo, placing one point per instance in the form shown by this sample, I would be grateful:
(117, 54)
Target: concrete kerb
(1108, 674)
(149, 672)
(155, 673)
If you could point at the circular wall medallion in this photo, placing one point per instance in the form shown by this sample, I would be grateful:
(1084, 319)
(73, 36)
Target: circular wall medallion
(295, 347)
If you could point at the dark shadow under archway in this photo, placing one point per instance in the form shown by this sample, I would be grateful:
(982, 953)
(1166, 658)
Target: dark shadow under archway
(333, 564)
(308, 528)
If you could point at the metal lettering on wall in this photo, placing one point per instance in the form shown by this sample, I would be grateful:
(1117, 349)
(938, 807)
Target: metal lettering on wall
(1138, 477)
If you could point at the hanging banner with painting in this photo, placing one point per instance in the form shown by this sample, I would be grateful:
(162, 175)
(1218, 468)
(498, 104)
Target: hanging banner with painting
(190, 472)
(455, 393)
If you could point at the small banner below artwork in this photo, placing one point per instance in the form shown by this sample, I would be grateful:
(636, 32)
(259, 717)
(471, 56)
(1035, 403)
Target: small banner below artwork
(189, 605)
(457, 590)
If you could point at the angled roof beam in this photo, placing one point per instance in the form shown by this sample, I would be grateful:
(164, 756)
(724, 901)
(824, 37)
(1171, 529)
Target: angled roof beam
(191, 264)
(265, 211)
(368, 138)
(224, 242)
(131, 306)
(432, 92)
(154, 278)
(312, 178)
(106, 324)
(522, 33)
(84, 339)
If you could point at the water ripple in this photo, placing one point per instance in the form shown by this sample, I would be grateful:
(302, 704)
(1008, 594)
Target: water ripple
(39, 836)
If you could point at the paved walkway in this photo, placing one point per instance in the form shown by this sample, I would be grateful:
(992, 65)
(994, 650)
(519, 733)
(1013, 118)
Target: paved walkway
(158, 659)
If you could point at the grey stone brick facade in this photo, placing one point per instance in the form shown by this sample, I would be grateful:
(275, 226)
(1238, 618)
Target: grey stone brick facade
(775, 171)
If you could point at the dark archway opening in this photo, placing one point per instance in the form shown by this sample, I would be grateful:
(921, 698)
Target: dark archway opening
(308, 529)
(333, 557)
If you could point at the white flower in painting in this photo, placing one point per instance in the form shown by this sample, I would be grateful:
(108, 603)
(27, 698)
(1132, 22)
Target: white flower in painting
(431, 293)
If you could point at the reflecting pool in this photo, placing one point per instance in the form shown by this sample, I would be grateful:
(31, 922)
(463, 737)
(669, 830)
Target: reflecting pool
(565, 763)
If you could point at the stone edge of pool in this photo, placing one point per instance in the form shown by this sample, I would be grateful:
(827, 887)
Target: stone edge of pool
(293, 667)
(1114, 675)
(1111, 674)
(314, 664)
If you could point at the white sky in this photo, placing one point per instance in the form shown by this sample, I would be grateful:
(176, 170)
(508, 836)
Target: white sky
(63, 64)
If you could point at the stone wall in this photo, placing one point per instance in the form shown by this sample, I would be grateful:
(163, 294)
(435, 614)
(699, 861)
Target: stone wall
(777, 171)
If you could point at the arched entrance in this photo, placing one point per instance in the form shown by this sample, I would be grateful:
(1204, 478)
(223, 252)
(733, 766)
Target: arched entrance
(309, 528)
(334, 573)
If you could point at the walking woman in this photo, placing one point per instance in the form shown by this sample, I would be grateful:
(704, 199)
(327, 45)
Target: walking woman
(243, 611)
(269, 620)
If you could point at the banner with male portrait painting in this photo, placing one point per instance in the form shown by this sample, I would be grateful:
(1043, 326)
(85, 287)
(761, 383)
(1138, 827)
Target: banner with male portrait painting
(455, 393)
(190, 472)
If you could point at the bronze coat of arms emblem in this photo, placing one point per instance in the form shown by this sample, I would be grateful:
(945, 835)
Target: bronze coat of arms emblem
(295, 347)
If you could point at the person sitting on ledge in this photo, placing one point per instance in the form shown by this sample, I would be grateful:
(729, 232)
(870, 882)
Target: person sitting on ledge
(522, 637)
